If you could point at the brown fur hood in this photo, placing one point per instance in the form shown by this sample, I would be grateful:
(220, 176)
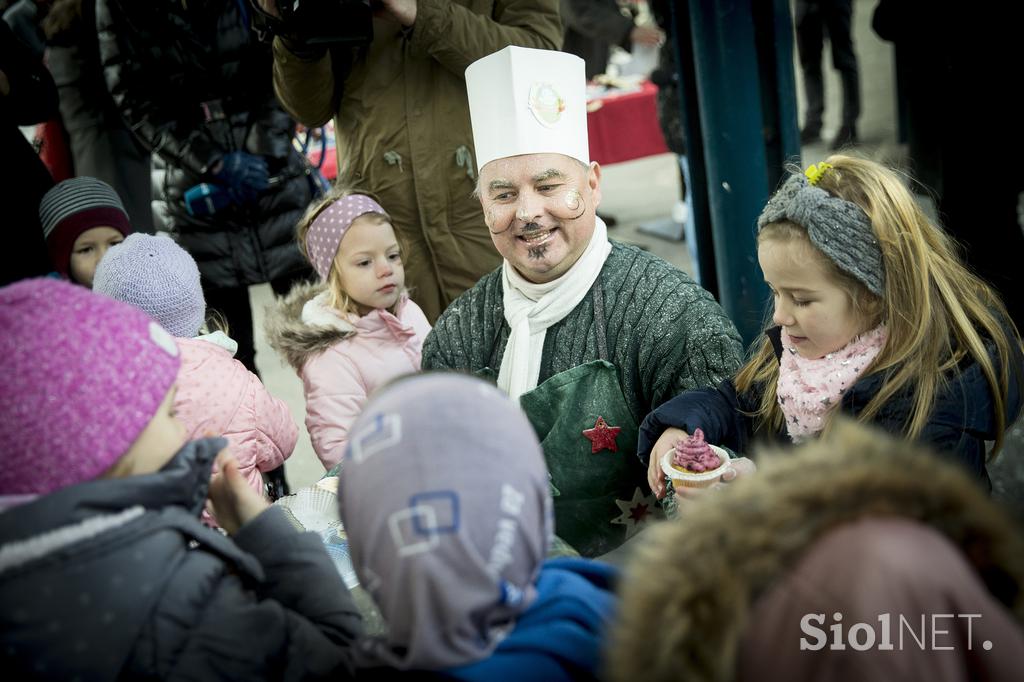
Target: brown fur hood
(295, 339)
(690, 588)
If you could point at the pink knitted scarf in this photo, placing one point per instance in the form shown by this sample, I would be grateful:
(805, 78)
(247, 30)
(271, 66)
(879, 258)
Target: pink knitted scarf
(808, 388)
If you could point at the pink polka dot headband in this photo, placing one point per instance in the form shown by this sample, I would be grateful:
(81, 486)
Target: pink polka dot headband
(329, 227)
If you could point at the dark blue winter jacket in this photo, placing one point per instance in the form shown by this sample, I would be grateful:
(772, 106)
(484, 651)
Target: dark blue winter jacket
(117, 579)
(962, 419)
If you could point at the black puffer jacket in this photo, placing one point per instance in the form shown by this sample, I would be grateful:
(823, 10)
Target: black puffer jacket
(193, 82)
(117, 578)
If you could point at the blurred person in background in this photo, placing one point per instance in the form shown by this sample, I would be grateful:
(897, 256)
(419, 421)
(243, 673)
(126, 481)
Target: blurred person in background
(194, 84)
(27, 96)
(101, 145)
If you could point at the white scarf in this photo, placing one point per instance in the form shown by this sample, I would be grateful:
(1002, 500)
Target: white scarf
(531, 308)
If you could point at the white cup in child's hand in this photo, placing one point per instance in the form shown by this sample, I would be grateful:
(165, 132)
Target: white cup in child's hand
(738, 467)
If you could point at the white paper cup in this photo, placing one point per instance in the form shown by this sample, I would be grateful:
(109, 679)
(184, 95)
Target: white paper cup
(689, 479)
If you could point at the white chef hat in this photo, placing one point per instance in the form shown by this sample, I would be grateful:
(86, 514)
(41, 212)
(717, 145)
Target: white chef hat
(526, 101)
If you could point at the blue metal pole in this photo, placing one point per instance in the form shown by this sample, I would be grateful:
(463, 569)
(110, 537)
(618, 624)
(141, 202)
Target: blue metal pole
(700, 217)
(746, 104)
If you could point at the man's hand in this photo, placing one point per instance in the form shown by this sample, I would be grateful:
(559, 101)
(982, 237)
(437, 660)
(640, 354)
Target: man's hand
(231, 500)
(270, 7)
(5, 85)
(402, 11)
(655, 476)
(647, 35)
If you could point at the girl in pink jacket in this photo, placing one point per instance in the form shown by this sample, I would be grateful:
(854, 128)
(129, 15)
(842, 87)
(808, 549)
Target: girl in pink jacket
(217, 395)
(354, 330)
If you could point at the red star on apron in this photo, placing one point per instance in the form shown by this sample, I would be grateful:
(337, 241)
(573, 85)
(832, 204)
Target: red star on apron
(602, 436)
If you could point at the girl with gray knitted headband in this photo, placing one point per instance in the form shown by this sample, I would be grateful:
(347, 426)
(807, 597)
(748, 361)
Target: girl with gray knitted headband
(873, 315)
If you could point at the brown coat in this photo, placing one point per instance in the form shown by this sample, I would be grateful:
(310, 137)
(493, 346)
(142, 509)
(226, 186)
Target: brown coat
(719, 594)
(402, 122)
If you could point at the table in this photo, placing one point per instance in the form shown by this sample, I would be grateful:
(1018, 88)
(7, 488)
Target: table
(624, 126)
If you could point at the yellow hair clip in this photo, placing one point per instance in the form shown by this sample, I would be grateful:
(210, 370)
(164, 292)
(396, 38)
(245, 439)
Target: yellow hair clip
(816, 170)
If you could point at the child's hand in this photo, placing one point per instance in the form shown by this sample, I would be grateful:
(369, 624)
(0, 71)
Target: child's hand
(231, 501)
(655, 477)
(738, 466)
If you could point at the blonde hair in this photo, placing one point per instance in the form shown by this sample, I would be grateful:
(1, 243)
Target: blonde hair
(936, 312)
(215, 322)
(340, 300)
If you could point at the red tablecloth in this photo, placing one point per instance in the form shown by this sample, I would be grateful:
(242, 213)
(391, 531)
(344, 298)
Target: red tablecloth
(625, 127)
(329, 169)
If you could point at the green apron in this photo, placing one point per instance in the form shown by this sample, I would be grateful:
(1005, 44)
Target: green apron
(601, 497)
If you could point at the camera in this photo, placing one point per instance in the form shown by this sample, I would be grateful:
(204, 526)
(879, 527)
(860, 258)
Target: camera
(318, 22)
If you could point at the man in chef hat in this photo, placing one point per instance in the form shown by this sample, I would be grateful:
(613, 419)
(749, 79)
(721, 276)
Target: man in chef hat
(588, 334)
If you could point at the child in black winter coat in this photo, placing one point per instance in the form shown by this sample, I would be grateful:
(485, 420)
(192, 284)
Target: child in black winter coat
(105, 570)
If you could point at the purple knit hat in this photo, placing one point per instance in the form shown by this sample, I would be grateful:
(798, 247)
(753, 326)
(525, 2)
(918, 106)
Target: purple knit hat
(153, 273)
(81, 375)
(329, 227)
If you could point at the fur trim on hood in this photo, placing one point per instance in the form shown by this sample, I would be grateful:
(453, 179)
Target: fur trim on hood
(298, 330)
(691, 586)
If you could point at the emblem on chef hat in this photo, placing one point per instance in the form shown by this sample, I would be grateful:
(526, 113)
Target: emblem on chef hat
(546, 104)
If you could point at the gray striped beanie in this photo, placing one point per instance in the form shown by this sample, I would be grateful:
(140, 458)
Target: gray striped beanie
(838, 228)
(73, 206)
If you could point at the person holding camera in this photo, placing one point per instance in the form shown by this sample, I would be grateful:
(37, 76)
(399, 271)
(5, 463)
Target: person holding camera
(402, 118)
(191, 81)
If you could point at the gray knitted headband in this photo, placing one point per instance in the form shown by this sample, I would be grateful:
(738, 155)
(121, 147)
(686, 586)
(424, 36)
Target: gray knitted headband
(838, 228)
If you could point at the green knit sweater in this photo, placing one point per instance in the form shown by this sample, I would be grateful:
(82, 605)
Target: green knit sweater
(665, 334)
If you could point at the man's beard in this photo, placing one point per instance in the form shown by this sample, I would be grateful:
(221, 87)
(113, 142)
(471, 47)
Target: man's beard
(537, 252)
(534, 252)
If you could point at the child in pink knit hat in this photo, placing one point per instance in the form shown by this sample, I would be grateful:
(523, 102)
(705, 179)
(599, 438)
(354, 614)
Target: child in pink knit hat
(105, 569)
